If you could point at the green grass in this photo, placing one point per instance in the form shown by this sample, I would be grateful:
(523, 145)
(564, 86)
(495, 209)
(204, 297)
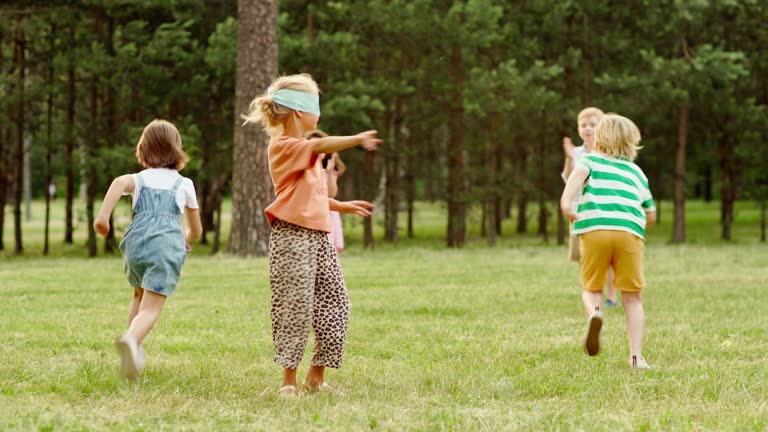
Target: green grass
(473, 339)
(702, 227)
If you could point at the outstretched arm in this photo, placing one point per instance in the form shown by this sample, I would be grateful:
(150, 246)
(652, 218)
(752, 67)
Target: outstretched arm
(575, 182)
(119, 185)
(360, 208)
(332, 144)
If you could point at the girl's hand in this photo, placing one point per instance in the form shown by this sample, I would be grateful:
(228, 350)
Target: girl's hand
(568, 147)
(360, 208)
(569, 213)
(187, 246)
(101, 225)
(368, 140)
(331, 166)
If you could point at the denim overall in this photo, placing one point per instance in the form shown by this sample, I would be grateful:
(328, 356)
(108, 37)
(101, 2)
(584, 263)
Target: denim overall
(154, 245)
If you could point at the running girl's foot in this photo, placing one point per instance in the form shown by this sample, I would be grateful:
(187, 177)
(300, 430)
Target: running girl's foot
(592, 341)
(638, 362)
(610, 303)
(320, 388)
(128, 352)
(287, 391)
(141, 358)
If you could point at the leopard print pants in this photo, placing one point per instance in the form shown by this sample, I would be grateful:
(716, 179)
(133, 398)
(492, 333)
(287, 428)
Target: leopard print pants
(307, 290)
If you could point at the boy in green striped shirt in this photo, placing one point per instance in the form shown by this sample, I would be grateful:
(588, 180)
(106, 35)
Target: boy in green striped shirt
(615, 208)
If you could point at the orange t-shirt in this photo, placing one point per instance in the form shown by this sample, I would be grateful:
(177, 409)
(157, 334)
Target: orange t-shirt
(301, 190)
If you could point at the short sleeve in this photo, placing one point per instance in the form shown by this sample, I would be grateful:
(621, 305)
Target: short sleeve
(135, 187)
(584, 163)
(648, 204)
(294, 154)
(189, 193)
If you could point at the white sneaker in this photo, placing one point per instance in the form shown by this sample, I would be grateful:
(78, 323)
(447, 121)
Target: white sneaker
(592, 341)
(129, 353)
(638, 362)
(141, 359)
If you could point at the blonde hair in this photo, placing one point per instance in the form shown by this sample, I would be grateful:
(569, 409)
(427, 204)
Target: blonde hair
(617, 136)
(590, 112)
(160, 146)
(269, 113)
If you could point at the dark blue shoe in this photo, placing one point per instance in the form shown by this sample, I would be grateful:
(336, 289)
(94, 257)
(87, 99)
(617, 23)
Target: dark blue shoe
(610, 303)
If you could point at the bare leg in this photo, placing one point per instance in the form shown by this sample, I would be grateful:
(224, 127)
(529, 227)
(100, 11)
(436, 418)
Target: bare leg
(138, 293)
(149, 311)
(289, 377)
(591, 300)
(633, 307)
(609, 289)
(315, 376)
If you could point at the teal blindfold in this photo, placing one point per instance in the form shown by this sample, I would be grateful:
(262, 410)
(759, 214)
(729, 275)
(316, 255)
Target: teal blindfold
(297, 100)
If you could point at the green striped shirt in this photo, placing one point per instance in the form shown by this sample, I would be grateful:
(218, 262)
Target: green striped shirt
(615, 196)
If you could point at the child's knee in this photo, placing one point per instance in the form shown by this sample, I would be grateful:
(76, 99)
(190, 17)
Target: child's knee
(628, 298)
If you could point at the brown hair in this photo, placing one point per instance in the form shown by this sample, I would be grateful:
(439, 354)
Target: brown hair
(160, 146)
(317, 133)
(271, 114)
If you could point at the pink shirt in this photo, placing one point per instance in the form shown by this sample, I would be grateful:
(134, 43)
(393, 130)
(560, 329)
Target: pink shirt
(301, 190)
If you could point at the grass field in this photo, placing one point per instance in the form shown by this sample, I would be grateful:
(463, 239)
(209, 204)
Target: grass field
(476, 339)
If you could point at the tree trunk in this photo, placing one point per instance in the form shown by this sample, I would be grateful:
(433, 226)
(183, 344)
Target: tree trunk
(4, 138)
(91, 157)
(110, 111)
(543, 220)
(727, 195)
(20, 61)
(369, 179)
(392, 193)
(217, 233)
(678, 224)
(251, 184)
(48, 144)
(27, 177)
(586, 61)
(494, 170)
(91, 153)
(707, 184)
(410, 188)
(70, 147)
(457, 157)
(522, 202)
(762, 220)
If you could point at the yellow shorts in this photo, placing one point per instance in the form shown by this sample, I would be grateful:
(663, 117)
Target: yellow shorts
(603, 249)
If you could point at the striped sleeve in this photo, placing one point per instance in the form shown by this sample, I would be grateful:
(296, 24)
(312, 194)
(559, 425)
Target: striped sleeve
(585, 163)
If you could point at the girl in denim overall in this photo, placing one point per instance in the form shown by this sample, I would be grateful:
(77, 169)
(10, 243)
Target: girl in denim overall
(154, 246)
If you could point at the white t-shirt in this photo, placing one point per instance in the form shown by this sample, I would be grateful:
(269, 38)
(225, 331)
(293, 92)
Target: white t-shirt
(164, 178)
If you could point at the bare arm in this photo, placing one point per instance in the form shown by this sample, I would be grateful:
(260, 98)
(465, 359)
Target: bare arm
(119, 185)
(333, 179)
(568, 165)
(567, 169)
(575, 182)
(195, 229)
(332, 144)
(333, 186)
(650, 217)
(360, 208)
